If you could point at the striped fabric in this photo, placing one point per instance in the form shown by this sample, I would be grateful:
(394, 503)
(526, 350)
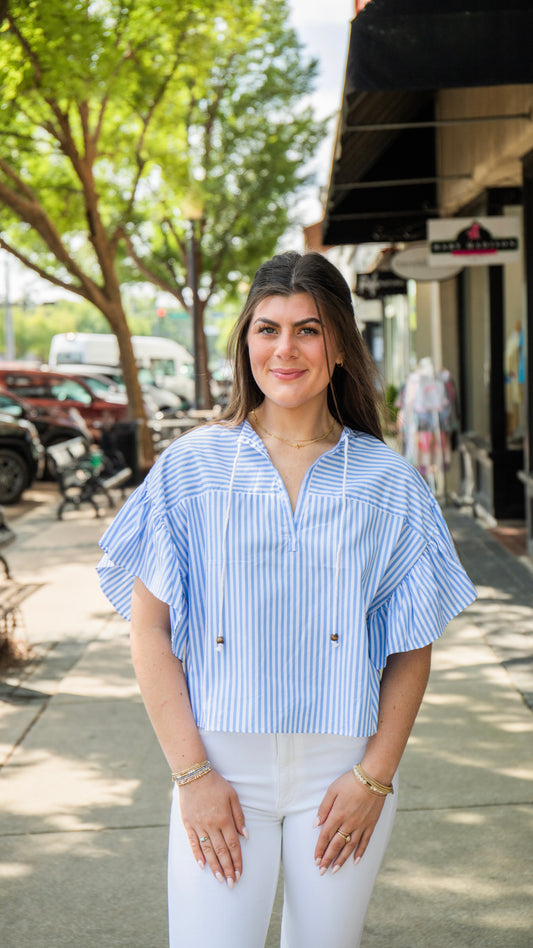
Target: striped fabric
(366, 557)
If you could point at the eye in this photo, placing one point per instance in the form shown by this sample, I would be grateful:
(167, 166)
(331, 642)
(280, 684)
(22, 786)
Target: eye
(309, 331)
(266, 330)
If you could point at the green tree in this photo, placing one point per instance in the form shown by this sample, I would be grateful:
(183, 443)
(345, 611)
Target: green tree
(248, 136)
(112, 113)
(82, 85)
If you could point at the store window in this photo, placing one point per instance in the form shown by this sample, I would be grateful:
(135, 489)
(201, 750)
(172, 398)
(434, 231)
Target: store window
(398, 339)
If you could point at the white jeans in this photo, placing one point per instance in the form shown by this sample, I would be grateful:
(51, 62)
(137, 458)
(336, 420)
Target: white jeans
(281, 780)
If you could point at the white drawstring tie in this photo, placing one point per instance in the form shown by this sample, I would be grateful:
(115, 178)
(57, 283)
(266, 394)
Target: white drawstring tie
(334, 636)
(220, 636)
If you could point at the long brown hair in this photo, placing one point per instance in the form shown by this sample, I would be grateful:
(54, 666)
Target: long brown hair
(354, 390)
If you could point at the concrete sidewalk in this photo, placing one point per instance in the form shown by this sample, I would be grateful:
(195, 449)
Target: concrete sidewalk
(84, 790)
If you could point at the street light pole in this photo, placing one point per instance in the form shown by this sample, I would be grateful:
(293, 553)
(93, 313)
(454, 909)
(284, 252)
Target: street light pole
(193, 273)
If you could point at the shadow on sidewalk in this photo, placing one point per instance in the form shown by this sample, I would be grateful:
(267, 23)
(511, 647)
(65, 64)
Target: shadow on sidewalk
(84, 819)
(458, 873)
(504, 609)
(86, 797)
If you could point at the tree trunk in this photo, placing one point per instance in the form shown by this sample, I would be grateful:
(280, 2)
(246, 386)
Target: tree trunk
(202, 388)
(136, 410)
(201, 355)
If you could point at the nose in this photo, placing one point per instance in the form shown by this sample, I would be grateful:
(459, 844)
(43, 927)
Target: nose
(286, 347)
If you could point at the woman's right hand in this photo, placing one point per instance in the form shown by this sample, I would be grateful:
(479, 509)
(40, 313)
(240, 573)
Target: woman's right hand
(210, 808)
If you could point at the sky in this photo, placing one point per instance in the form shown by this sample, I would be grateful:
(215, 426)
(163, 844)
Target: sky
(323, 27)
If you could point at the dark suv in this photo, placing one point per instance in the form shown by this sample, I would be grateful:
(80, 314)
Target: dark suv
(21, 457)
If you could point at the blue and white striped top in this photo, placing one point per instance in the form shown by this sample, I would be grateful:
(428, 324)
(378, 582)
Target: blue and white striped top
(366, 558)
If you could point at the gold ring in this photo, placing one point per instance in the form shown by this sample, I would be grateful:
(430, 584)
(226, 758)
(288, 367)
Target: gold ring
(346, 836)
(203, 839)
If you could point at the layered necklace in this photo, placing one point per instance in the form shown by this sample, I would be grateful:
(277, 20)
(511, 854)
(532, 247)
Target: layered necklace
(293, 444)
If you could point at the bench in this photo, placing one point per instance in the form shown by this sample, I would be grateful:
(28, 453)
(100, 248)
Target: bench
(82, 474)
(12, 593)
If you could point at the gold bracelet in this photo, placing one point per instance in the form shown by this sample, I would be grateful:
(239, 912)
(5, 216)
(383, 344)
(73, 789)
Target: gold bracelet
(182, 777)
(381, 789)
(189, 770)
(181, 781)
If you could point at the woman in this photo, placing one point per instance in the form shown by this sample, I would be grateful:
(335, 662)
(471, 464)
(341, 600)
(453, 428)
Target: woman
(286, 574)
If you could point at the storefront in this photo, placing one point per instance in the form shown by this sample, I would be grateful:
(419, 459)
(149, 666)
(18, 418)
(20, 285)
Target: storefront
(492, 324)
(436, 122)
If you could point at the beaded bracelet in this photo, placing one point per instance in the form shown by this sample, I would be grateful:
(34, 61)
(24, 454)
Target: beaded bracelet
(380, 789)
(182, 777)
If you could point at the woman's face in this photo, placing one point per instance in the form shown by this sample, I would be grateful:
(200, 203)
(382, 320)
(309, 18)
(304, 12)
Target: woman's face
(286, 345)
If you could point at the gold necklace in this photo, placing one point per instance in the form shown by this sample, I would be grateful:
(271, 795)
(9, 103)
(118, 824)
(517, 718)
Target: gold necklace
(293, 444)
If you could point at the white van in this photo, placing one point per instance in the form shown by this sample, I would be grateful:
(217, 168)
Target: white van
(170, 365)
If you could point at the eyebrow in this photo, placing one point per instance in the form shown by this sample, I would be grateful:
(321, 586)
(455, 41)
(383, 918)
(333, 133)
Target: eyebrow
(300, 322)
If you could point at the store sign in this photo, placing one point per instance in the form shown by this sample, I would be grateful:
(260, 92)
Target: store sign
(471, 242)
(380, 283)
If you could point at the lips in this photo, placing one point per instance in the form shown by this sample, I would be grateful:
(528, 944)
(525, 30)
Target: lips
(287, 375)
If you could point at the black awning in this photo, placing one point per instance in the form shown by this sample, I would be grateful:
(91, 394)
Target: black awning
(383, 185)
(431, 44)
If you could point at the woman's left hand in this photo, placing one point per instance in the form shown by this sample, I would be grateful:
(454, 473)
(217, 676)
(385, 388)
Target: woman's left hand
(353, 810)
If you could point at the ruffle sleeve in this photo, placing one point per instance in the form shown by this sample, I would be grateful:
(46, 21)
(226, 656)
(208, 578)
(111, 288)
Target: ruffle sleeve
(138, 543)
(423, 588)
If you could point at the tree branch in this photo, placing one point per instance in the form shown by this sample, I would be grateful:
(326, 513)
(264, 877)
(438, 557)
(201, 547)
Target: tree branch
(212, 112)
(180, 243)
(18, 135)
(83, 167)
(105, 98)
(88, 141)
(34, 214)
(152, 276)
(50, 277)
(17, 180)
(27, 49)
(40, 122)
(146, 120)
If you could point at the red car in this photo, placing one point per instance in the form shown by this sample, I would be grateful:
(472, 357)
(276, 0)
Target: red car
(53, 390)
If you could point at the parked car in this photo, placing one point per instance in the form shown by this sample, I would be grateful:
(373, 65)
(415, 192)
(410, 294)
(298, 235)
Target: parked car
(47, 390)
(156, 397)
(169, 363)
(21, 457)
(53, 426)
(103, 384)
